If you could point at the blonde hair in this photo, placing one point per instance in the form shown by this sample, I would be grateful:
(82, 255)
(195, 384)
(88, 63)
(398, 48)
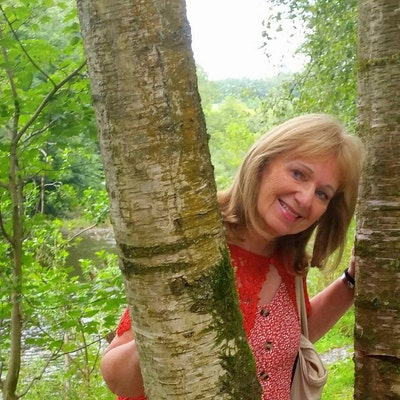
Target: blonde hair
(311, 136)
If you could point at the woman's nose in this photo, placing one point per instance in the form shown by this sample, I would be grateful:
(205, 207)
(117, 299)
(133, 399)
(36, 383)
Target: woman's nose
(305, 195)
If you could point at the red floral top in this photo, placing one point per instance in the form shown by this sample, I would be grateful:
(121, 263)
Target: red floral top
(273, 329)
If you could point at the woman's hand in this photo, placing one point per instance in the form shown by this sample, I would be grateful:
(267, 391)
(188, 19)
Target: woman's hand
(352, 265)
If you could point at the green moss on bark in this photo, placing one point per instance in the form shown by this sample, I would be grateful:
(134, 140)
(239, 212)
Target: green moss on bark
(216, 294)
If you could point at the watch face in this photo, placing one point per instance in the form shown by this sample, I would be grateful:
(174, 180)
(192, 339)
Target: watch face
(350, 285)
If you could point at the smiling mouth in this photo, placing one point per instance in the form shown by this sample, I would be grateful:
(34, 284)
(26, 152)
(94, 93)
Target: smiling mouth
(289, 210)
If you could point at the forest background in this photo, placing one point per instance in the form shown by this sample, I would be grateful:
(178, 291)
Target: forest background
(55, 315)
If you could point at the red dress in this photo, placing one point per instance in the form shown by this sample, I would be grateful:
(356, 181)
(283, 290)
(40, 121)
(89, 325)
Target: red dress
(273, 329)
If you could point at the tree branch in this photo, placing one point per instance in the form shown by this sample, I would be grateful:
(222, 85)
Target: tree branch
(48, 97)
(82, 231)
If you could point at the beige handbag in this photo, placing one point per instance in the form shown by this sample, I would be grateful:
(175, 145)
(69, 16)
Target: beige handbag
(310, 374)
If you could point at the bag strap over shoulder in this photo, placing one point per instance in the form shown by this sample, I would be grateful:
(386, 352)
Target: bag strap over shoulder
(301, 305)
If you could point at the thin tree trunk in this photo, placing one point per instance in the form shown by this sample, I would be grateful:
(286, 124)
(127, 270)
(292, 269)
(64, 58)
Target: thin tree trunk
(377, 334)
(15, 239)
(178, 277)
(9, 386)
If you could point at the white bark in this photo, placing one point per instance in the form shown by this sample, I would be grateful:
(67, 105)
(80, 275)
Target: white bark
(163, 200)
(377, 334)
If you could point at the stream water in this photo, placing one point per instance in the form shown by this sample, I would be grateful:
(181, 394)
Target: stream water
(89, 243)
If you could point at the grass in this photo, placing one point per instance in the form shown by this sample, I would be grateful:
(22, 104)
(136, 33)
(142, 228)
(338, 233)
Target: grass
(340, 384)
(340, 335)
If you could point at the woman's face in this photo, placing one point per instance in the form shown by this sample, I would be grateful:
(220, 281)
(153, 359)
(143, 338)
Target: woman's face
(295, 192)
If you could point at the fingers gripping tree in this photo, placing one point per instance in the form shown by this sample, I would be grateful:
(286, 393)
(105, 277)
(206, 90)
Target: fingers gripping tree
(179, 281)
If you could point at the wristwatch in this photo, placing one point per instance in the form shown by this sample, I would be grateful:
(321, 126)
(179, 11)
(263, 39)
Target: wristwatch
(348, 279)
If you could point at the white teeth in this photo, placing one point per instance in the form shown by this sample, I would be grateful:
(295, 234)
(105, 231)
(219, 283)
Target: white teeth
(289, 211)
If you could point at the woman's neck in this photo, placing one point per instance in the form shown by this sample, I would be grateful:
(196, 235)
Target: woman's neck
(255, 243)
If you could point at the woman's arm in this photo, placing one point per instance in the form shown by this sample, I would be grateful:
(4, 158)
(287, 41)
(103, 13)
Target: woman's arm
(329, 305)
(120, 367)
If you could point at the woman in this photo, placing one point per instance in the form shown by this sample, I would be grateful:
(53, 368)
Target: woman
(298, 182)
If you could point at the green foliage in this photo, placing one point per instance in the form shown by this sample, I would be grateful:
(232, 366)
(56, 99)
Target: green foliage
(66, 315)
(65, 386)
(328, 81)
(46, 105)
(95, 205)
(233, 127)
(234, 118)
(48, 156)
(227, 149)
(246, 91)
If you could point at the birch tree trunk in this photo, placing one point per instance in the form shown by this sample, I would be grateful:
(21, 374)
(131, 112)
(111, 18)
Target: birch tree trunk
(166, 220)
(377, 334)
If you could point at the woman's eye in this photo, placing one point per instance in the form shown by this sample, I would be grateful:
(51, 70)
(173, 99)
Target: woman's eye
(322, 195)
(298, 174)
